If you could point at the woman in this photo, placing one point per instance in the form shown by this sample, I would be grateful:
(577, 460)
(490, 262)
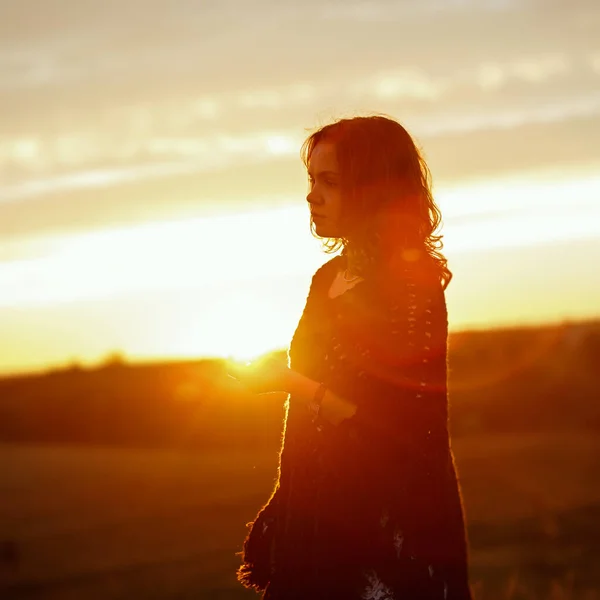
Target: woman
(366, 504)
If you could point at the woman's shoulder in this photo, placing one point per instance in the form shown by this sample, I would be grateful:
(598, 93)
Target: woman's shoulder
(328, 268)
(332, 264)
(323, 276)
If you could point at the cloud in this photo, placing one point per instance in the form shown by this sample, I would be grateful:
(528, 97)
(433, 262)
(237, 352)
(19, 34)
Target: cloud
(160, 254)
(178, 161)
(401, 83)
(195, 127)
(384, 11)
(293, 94)
(594, 61)
(528, 70)
(549, 112)
(169, 113)
(155, 157)
(502, 214)
(99, 178)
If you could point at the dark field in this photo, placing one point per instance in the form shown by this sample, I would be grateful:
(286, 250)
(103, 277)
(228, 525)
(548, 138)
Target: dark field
(135, 481)
(116, 523)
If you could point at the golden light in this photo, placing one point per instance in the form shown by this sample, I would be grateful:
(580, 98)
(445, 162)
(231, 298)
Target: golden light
(249, 326)
(234, 285)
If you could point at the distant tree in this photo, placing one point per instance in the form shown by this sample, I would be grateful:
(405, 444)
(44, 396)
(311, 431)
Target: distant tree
(116, 358)
(74, 366)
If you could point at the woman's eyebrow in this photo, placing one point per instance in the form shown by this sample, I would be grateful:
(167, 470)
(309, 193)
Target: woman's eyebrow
(323, 173)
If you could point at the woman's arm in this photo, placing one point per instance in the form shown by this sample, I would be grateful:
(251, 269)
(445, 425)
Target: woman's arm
(333, 409)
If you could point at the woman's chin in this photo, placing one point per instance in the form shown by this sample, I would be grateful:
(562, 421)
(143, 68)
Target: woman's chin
(324, 230)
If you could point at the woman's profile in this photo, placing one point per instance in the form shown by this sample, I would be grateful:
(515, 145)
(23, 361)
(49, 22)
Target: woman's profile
(366, 504)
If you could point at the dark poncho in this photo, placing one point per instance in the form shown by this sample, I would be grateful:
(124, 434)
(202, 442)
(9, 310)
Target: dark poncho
(370, 508)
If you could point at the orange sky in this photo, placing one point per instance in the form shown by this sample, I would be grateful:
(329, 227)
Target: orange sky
(152, 196)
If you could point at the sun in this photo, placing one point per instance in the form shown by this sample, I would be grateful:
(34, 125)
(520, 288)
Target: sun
(242, 326)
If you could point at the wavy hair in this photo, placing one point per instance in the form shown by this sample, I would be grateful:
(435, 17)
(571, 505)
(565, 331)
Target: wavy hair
(388, 210)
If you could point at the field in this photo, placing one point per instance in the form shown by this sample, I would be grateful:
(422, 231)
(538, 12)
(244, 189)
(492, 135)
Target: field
(104, 523)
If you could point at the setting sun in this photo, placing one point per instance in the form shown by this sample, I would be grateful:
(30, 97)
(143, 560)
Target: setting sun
(250, 325)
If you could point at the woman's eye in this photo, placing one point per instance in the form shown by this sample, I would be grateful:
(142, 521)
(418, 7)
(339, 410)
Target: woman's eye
(327, 182)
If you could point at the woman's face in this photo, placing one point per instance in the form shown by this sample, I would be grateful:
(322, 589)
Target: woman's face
(324, 196)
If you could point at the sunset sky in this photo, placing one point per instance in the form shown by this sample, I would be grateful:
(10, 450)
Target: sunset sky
(152, 199)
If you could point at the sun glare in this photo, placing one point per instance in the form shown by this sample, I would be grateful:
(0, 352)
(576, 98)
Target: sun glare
(249, 327)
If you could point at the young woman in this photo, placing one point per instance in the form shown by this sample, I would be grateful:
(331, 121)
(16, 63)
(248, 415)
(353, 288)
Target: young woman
(366, 504)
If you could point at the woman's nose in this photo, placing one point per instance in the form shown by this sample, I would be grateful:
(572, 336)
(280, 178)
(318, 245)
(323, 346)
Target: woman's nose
(311, 198)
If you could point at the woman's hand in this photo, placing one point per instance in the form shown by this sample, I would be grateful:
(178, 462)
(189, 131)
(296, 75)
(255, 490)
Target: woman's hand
(263, 376)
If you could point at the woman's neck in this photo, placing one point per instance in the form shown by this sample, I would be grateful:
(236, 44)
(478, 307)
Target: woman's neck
(354, 261)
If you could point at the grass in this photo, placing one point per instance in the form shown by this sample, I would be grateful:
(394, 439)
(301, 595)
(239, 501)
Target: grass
(147, 524)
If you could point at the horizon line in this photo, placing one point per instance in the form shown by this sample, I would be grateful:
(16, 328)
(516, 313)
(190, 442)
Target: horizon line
(119, 357)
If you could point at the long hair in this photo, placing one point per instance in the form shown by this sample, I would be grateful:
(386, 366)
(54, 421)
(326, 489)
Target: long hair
(388, 210)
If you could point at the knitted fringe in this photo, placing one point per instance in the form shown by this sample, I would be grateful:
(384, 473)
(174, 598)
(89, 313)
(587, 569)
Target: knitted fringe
(255, 572)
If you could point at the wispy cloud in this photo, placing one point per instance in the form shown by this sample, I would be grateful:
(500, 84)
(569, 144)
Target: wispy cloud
(196, 127)
(378, 11)
(594, 61)
(131, 117)
(493, 215)
(549, 112)
(537, 69)
(99, 178)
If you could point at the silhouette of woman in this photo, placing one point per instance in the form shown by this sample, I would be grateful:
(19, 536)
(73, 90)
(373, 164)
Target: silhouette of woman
(366, 504)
